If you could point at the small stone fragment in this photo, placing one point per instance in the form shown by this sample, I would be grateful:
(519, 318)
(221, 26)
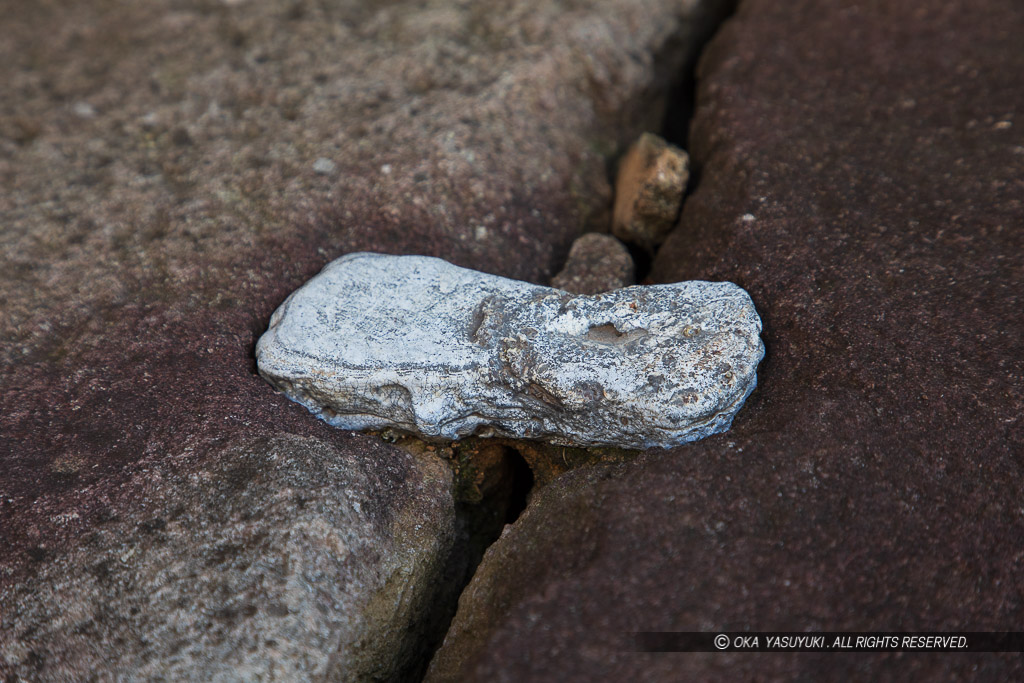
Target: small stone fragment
(324, 166)
(419, 345)
(649, 191)
(83, 110)
(597, 263)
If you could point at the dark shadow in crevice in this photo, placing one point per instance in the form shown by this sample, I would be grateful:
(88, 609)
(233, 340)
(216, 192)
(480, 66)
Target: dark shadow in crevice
(520, 487)
(496, 494)
(682, 97)
(493, 487)
(643, 261)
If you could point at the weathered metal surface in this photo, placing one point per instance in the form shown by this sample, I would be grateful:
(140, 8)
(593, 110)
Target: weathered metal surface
(417, 344)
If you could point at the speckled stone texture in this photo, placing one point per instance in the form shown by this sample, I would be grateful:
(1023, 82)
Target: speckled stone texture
(416, 344)
(164, 191)
(281, 559)
(861, 167)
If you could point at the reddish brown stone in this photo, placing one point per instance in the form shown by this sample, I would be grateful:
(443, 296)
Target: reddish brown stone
(597, 263)
(861, 167)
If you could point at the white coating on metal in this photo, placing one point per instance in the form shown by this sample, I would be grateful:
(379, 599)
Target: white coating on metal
(417, 344)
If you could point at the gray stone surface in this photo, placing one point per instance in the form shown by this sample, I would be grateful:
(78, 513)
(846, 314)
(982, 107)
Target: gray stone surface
(284, 559)
(596, 263)
(420, 345)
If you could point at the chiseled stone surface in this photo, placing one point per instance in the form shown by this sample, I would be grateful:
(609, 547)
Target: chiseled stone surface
(861, 167)
(596, 263)
(283, 559)
(417, 344)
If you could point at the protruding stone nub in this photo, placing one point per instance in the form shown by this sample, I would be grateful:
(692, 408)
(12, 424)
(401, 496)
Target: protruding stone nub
(649, 191)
